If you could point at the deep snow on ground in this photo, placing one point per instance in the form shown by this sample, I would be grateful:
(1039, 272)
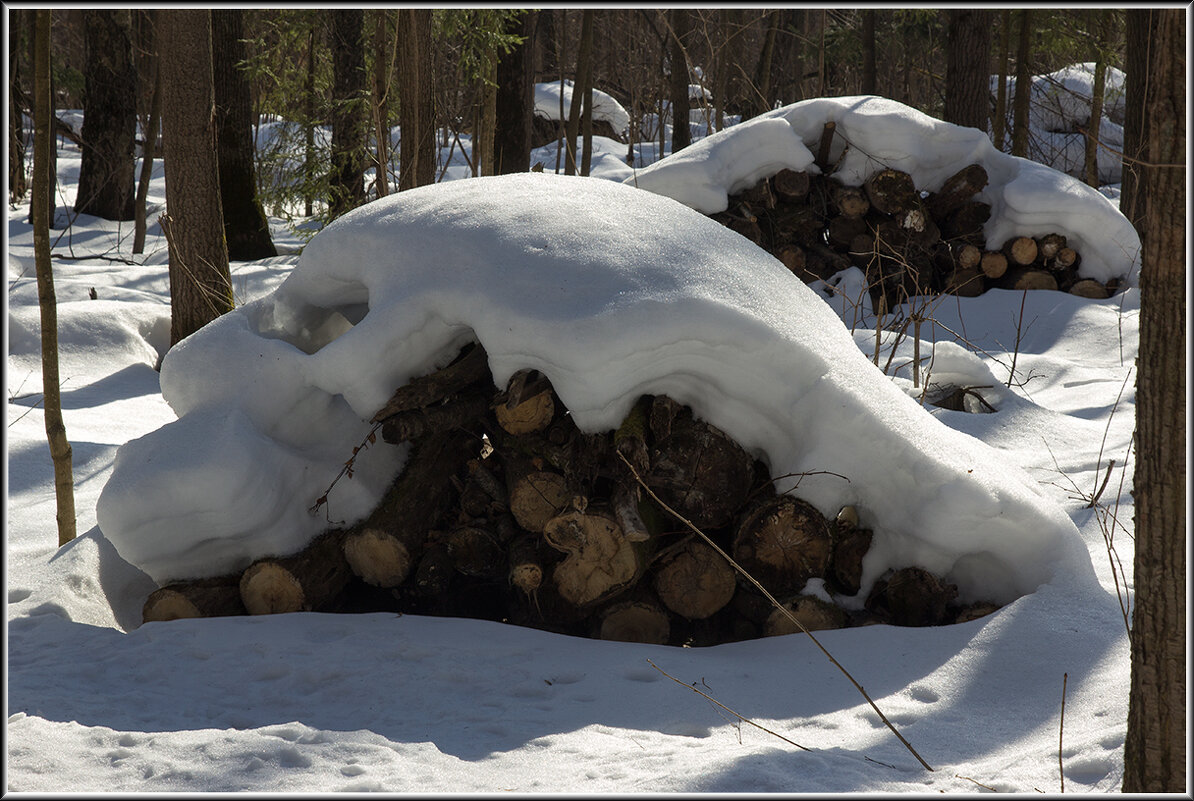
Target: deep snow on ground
(312, 702)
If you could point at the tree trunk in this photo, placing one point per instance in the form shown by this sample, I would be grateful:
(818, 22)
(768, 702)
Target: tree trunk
(309, 164)
(381, 94)
(586, 91)
(678, 83)
(869, 77)
(1138, 35)
(43, 135)
(1023, 87)
(967, 69)
(1090, 165)
(106, 172)
(483, 134)
(200, 283)
(763, 84)
(152, 123)
(579, 96)
(347, 183)
(1154, 748)
(17, 185)
(515, 101)
(417, 144)
(999, 122)
(246, 230)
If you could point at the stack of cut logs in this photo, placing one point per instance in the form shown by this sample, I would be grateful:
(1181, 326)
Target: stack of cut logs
(506, 511)
(907, 242)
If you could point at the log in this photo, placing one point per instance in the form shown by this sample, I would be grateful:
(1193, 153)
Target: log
(1049, 245)
(966, 222)
(639, 619)
(912, 596)
(975, 611)
(630, 438)
(1089, 288)
(798, 223)
(790, 185)
(701, 472)
(793, 257)
(695, 582)
(536, 496)
(759, 196)
(957, 189)
(470, 366)
(850, 201)
(476, 552)
(843, 229)
(824, 146)
(530, 415)
(849, 545)
(783, 542)
(1065, 258)
(993, 264)
(457, 412)
(213, 597)
(965, 283)
(813, 613)
(822, 262)
(1031, 279)
(891, 191)
(967, 256)
(1020, 250)
(526, 562)
(385, 547)
(747, 227)
(599, 560)
(304, 582)
(433, 576)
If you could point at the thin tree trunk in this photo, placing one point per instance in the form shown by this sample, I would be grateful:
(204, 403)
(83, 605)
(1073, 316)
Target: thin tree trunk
(488, 116)
(200, 283)
(17, 185)
(1155, 744)
(681, 136)
(869, 78)
(381, 91)
(586, 91)
(762, 81)
(1138, 43)
(1090, 166)
(999, 123)
(347, 184)
(60, 449)
(309, 165)
(967, 69)
(1023, 88)
(147, 152)
(515, 99)
(246, 229)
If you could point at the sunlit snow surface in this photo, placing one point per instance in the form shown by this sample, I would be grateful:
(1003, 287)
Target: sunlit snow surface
(1027, 198)
(612, 293)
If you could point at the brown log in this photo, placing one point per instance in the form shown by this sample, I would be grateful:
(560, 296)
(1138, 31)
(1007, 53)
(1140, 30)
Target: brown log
(965, 283)
(532, 414)
(975, 611)
(1020, 250)
(1065, 258)
(993, 264)
(843, 229)
(214, 597)
(433, 576)
(526, 562)
(638, 619)
(890, 190)
(470, 366)
(850, 201)
(957, 189)
(664, 412)
(695, 582)
(1049, 245)
(536, 496)
(783, 542)
(813, 613)
(967, 256)
(849, 545)
(459, 411)
(1032, 279)
(758, 196)
(700, 472)
(600, 561)
(628, 506)
(630, 438)
(824, 146)
(799, 223)
(966, 222)
(912, 596)
(747, 227)
(791, 185)
(306, 581)
(792, 256)
(823, 262)
(385, 547)
(476, 552)
(1089, 288)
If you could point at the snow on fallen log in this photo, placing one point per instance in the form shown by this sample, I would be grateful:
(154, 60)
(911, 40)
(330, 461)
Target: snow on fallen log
(610, 293)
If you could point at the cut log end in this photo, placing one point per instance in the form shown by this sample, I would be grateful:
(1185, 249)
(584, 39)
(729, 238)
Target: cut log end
(599, 562)
(813, 613)
(696, 582)
(635, 621)
(531, 415)
(267, 588)
(783, 543)
(378, 558)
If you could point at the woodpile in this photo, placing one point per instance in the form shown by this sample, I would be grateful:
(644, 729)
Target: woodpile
(506, 511)
(908, 242)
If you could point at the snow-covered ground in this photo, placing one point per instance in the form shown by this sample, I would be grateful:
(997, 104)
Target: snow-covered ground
(313, 702)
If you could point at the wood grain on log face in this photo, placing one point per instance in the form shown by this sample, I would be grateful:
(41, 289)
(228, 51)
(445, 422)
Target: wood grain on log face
(531, 415)
(266, 588)
(635, 621)
(891, 191)
(912, 596)
(813, 613)
(790, 185)
(850, 545)
(1089, 288)
(700, 472)
(214, 597)
(377, 557)
(538, 496)
(783, 543)
(695, 582)
(599, 562)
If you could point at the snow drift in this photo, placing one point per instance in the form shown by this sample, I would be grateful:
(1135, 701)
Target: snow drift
(1027, 198)
(612, 293)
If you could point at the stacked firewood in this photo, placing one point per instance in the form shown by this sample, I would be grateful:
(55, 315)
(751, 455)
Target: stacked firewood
(506, 511)
(907, 242)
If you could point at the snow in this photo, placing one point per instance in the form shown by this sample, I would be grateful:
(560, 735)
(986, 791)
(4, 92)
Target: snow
(323, 703)
(1027, 198)
(605, 107)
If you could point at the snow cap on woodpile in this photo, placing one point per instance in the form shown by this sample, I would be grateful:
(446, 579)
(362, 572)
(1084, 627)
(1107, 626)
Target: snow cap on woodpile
(612, 293)
(871, 133)
(605, 107)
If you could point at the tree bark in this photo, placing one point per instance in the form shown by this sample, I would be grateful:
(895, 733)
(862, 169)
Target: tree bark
(580, 97)
(586, 91)
(1154, 748)
(870, 81)
(515, 101)
(967, 68)
(1023, 93)
(106, 171)
(417, 119)
(763, 98)
(200, 282)
(1138, 35)
(149, 148)
(678, 82)
(999, 121)
(381, 94)
(1090, 165)
(347, 182)
(17, 31)
(60, 448)
(246, 230)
